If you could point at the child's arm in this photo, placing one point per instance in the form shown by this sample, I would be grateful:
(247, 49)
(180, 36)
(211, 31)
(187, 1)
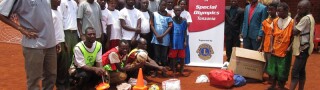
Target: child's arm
(168, 30)
(153, 29)
(125, 26)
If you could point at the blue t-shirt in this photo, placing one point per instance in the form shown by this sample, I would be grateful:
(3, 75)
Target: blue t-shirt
(161, 24)
(178, 34)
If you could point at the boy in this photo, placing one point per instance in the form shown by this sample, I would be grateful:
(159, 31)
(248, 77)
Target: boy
(279, 64)
(178, 40)
(303, 43)
(267, 30)
(169, 8)
(106, 21)
(115, 32)
(62, 54)
(161, 26)
(130, 19)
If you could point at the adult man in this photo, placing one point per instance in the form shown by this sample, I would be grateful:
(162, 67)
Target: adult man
(254, 15)
(87, 59)
(38, 42)
(303, 43)
(89, 15)
(149, 63)
(234, 18)
(68, 9)
(153, 5)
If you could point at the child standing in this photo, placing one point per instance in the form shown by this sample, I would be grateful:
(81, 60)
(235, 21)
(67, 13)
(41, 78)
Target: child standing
(115, 32)
(267, 30)
(161, 26)
(178, 40)
(185, 14)
(303, 43)
(130, 19)
(106, 21)
(279, 63)
(169, 8)
(62, 54)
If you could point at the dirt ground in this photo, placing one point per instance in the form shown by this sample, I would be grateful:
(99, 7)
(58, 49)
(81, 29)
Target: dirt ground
(13, 77)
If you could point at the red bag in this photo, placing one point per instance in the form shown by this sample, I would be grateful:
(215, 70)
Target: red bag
(221, 78)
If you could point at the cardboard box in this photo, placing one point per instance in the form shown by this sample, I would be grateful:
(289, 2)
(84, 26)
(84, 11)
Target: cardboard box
(247, 63)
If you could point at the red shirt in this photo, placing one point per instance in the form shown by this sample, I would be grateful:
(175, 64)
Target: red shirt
(252, 7)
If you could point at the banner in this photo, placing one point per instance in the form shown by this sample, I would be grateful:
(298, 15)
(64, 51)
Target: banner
(206, 32)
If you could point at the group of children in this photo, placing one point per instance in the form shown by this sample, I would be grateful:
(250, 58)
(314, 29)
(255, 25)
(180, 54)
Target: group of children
(164, 30)
(283, 37)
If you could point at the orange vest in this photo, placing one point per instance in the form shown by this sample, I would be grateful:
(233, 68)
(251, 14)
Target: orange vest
(266, 27)
(281, 38)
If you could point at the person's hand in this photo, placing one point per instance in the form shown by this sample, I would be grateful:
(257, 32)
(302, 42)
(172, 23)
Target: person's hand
(288, 49)
(240, 36)
(83, 38)
(163, 69)
(259, 49)
(107, 45)
(159, 38)
(138, 30)
(99, 71)
(58, 48)
(259, 38)
(66, 47)
(30, 34)
(272, 50)
(185, 44)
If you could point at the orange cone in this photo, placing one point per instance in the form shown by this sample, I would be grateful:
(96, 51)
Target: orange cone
(140, 84)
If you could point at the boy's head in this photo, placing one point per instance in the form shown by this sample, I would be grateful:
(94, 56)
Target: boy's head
(272, 8)
(253, 1)
(304, 7)
(177, 10)
(144, 5)
(130, 3)
(90, 35)
(102, 4)
(283, 10)
(90, 1)
(183, 4)
(121, 4)
(162, 5)
(112, 4)
(169, 4)
(55, 4)
(234, 3)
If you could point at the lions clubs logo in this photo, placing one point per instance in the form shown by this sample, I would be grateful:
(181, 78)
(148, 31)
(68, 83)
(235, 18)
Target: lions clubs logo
(205, 51)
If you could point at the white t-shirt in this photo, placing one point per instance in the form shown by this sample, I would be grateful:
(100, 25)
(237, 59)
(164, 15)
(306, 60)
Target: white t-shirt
(185, 14)
(145, 22)
(171, 12)
(58, 26)
(106, 20)
(79, 58)
(116, 27)
(131, 18)
(68, 9)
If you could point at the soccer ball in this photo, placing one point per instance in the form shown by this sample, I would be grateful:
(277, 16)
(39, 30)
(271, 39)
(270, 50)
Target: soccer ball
(141, 56)
(154, 87)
